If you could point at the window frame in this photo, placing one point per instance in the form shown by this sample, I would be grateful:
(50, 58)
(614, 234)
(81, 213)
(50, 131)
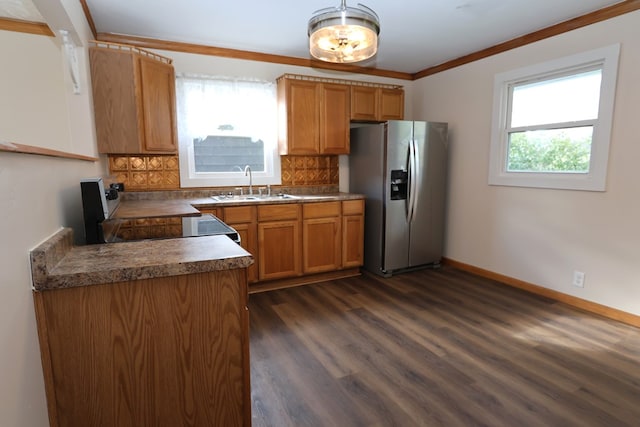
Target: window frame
(189, 178)
(605, 58)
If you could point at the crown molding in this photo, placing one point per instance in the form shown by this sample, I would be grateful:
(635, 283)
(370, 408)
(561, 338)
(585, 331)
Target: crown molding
(150, 43)
(554, 30)
(39, 28)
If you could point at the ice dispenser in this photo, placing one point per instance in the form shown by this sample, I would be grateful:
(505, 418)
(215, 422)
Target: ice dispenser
(399, 180)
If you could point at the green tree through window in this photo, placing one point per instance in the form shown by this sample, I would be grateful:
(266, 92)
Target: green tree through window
(561, 150)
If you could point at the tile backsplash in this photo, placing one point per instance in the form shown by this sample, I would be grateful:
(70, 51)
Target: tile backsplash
(145, 173)
(309, 170)
(149, 173)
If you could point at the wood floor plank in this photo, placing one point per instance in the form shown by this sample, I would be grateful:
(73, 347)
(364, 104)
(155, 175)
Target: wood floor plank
(437, 348)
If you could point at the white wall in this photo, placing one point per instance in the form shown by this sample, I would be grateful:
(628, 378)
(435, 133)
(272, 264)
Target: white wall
(38, 195)
(536, 235)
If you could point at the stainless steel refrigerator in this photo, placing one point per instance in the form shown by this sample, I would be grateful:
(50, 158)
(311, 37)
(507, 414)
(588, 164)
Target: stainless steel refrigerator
(400, 166)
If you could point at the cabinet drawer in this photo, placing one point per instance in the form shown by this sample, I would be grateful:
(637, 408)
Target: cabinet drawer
(217, 212)
(278, 212)
(353, 207)
(239, 214)
(320, 210)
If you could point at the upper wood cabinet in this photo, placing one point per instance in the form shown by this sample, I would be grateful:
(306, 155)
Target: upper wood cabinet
(314, 117)
(376, 104)
(134, 101)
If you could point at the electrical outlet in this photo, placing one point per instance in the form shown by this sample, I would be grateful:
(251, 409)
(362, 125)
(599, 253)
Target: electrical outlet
(578, 279)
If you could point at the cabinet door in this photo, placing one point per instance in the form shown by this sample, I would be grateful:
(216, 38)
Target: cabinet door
(391, 104)
(352, 240)
(158, 105)
(279, 249)
(118, 119)
(217, 212)
(352, 233)
(243, 220)
(364, 103)
(334, 119)
(321, 244)
(249, 241)
(301, 103)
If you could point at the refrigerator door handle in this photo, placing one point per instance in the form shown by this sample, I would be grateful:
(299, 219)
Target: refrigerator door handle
(415, 190)
(412, 181)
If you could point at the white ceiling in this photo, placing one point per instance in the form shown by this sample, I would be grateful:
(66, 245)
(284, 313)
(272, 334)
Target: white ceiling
(414, 35)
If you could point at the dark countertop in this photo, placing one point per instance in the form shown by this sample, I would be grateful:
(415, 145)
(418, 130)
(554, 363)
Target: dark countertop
(58, 264)
(154, 208)
(189, 206)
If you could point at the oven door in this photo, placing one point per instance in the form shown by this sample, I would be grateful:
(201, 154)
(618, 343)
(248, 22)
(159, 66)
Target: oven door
(154, 228)
(207, 225)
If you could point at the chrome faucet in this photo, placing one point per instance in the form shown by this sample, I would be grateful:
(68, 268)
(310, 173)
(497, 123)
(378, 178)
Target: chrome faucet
(247, 171)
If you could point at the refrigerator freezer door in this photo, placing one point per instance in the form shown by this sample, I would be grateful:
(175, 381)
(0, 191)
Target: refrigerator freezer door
(426, 228)
(396, 227)
(366, 176)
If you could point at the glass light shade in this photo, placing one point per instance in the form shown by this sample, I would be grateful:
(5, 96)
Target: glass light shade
(344, 34)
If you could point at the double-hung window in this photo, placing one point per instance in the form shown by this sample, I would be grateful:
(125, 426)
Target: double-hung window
(225, 125)
(552, 122)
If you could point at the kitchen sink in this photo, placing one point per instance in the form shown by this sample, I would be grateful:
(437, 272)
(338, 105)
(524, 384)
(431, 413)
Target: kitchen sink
(254, 198)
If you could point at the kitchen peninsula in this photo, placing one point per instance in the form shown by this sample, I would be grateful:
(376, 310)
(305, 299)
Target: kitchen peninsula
(143, 333)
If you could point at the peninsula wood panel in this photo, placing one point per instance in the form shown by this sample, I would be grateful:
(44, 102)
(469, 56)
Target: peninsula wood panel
(165, 351)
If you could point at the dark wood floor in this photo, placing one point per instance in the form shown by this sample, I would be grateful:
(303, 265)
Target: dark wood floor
(437, 348)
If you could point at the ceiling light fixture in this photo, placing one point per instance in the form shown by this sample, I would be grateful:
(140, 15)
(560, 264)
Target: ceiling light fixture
(344, 34)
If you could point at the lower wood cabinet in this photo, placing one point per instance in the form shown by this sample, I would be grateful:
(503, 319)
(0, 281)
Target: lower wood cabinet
(352, 233)
(321, 237)
(168, 351)
(244, 220)
(289, 240)
(279, 241)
